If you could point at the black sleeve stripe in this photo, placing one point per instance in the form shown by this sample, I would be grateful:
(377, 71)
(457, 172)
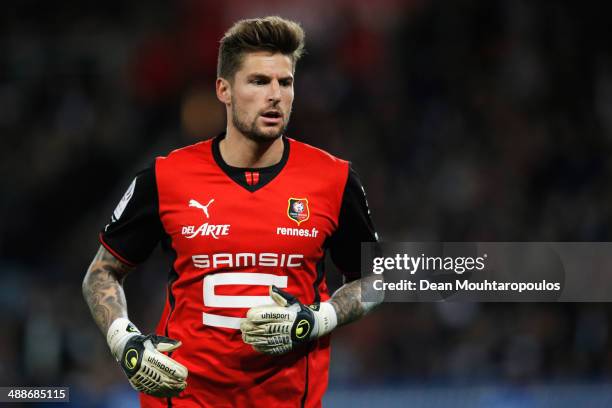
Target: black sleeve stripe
(135, 228)
(354, 227)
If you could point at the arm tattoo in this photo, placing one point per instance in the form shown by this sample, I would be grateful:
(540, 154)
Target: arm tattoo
(348, 303)
(103, 289)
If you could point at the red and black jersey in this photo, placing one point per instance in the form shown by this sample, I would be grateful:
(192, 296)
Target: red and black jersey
(233, 232)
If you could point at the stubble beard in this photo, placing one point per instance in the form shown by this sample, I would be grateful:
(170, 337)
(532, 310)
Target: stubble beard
(252, 132)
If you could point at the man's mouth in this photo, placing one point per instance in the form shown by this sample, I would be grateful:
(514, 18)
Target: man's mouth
(272, 114)
(272, 117)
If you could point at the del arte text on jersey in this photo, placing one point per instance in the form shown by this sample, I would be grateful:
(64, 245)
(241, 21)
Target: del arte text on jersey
(247, 259)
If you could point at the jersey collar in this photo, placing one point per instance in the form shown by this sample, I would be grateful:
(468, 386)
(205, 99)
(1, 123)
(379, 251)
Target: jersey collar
(250, 178)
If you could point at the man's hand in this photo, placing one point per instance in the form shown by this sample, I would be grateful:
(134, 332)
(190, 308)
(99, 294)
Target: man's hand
(280, 327)
(141, 358)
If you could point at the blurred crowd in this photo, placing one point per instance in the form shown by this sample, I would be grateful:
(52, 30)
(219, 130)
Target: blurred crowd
(470, 120)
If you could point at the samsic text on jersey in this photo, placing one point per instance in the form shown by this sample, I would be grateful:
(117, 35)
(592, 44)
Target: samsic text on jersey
(233, 233)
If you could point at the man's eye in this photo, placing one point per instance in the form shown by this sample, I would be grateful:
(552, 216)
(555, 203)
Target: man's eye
(258, 82)
(285, 83)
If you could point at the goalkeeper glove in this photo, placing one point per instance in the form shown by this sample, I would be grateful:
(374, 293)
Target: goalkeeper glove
(280, 327)
(141, 358)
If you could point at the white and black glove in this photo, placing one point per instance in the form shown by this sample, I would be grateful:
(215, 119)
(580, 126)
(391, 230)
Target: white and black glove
(278, 328)
(141, 358)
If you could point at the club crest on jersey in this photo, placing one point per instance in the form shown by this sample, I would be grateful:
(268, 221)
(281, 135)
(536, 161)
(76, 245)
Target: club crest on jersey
(298, 210)
(206, 229)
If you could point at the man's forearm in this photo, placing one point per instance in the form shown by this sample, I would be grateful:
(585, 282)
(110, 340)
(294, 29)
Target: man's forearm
(103, 289)
(349, 305)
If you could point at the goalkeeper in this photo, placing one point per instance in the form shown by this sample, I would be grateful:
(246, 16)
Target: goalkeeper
(247, 217)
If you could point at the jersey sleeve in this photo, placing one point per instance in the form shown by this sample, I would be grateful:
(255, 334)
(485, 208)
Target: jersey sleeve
(135, 228)
(354, 227)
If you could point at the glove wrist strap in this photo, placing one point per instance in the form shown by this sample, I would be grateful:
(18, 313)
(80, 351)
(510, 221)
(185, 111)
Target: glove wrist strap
(327, 320)
(119, 332)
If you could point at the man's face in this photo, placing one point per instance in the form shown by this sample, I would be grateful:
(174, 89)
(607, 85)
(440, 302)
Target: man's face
(262, 95)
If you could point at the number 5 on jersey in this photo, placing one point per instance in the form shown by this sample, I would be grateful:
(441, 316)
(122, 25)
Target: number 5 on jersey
(227, 301)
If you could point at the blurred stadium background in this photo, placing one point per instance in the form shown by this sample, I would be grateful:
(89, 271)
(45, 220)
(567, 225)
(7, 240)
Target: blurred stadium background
(468, 120)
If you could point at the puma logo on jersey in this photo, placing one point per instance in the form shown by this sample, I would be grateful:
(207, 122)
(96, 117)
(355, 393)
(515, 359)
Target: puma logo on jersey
(194, 203)
(206, 229)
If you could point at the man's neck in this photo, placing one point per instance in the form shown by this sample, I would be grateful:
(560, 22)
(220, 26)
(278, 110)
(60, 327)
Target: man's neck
(239, 151)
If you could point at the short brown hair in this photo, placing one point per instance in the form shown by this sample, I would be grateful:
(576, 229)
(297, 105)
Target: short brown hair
(273, 33)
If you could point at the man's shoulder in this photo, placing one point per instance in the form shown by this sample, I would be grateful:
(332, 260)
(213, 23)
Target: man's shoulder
(314, 154)
(186, 154)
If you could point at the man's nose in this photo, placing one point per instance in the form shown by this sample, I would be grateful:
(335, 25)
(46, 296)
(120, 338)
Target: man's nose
(274, 92)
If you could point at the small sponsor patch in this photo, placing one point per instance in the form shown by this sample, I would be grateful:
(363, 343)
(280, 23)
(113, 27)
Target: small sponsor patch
(124, 201)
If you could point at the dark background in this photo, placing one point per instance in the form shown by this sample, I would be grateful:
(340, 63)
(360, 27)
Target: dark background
(467, 121)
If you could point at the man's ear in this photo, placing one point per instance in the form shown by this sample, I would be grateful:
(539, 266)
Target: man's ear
(224, 90)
